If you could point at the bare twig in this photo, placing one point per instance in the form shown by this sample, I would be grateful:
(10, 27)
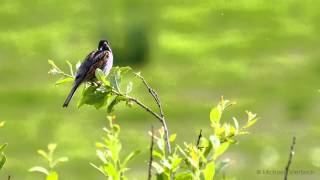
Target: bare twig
(160, 117)
(199, 138)
(151, 155)
(158, 102)
(145, 107)
(9, 177)
(290, 158)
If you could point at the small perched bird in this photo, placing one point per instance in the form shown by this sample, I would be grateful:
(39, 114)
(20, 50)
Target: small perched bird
(102, 58)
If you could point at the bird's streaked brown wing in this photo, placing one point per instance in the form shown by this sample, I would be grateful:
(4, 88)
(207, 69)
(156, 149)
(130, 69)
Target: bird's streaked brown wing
(94, 60)
(98, 61)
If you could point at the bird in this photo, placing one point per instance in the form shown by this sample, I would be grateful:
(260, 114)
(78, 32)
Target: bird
(101, 58)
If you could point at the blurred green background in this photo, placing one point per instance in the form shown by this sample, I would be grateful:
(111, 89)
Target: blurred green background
(264, 55)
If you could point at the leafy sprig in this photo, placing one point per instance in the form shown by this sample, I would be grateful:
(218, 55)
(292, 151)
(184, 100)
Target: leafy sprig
(201, 160)
(189, 161)
(109, 150)
(49, 171)
(3, 158)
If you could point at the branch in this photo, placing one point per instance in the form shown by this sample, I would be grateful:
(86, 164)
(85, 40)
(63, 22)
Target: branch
(199, 138)
(151, 155)
(145, 107)
(158, 102)
(153, 93)
(160, 117)
(290, 158)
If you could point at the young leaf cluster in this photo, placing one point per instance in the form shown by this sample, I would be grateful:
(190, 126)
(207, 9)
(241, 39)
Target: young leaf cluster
(49, 171)
(108, 152)
(200, 161)
(3, 158)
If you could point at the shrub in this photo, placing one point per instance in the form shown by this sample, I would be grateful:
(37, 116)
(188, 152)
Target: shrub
(197, 161)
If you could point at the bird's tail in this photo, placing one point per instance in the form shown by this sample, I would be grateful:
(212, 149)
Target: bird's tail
(73, 90)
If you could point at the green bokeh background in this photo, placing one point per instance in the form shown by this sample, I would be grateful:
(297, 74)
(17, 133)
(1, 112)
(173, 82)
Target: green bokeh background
(264, 55)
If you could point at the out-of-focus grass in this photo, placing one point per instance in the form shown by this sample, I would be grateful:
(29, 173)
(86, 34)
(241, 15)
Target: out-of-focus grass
(262, 54)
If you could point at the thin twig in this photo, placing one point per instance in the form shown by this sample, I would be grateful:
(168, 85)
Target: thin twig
(160, 117)
(290, 158)
(158, 102)
(9, 177)
(65, 74)
(199, 138)
(145, 107)
(151, 155)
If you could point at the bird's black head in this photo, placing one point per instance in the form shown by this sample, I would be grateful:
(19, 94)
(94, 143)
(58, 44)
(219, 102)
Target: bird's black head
(104, 45)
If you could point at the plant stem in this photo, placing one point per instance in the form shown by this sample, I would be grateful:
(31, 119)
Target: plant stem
(290, 158)
(160, 117)
(158, 102)
(151, 155)
(199, 138)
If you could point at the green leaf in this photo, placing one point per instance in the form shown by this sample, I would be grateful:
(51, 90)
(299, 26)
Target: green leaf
(227, 129)
(117, 79)
(172, 137)
(64, 80)
(209, 171)
(184, 176)
(159, 169)
(52, 64)
(160, 144)
(252, 119)
(114, 78)
(102, 156)
(63, 159)
(111, 171)
(129, 157)
(102, 77)
(52, 176)
(92, 96)
(43, 154)
(215, 141)
(250, 123)
(98, 168)
(70, 68)
(125, 69)
(221, 149)
(175, 163)
(52, 147)
(59, 160)
(157, 154)
(166, 164)
(236, 124)
(54, 68)
(129, 87)
(39, 169)
(207, 145)
(215, 115)
(3, 160)
(3, 146)
(162, 176)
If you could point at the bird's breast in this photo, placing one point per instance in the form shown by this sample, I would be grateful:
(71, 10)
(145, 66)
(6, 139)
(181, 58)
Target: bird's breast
(108, 64)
